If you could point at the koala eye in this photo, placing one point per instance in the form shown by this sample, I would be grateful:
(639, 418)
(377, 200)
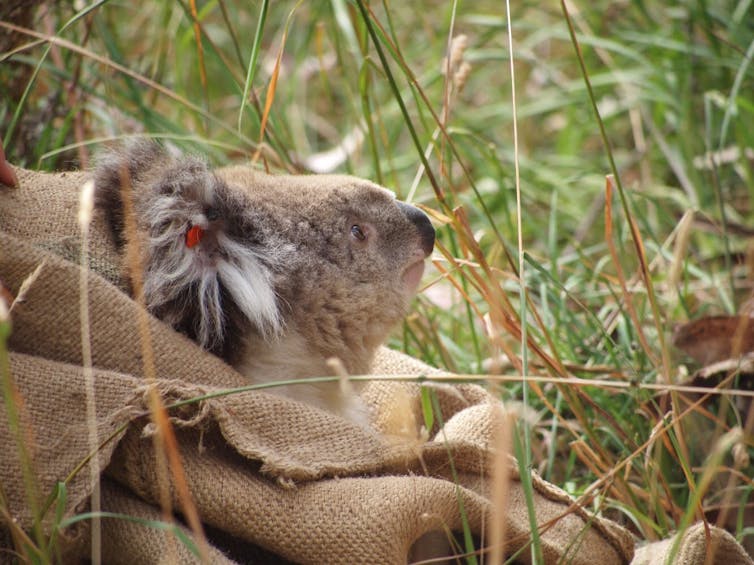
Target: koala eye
(358, 233)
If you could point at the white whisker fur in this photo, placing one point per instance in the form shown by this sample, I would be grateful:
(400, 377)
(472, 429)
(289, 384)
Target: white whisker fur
(176, 268)
(249, 283)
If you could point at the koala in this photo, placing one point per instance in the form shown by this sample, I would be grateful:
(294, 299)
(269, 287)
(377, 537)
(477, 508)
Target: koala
(275, 274)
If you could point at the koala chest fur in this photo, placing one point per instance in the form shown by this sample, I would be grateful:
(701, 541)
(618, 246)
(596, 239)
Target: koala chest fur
(276, 274)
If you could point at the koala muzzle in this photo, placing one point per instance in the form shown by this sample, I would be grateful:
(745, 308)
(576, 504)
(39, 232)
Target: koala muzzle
(422, 223)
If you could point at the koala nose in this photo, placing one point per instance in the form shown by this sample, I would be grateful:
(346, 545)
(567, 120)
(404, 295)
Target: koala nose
(422, 223)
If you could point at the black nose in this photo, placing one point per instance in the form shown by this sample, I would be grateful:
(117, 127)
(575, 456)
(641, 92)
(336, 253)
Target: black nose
(421, 221)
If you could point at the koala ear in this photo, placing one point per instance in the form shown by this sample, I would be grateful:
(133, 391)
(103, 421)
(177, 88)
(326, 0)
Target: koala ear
(199, 275)
(116, 167)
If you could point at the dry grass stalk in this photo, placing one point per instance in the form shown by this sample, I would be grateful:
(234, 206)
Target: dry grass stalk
(26, 285)
(504, 425)
(86, 208)
(166, 444)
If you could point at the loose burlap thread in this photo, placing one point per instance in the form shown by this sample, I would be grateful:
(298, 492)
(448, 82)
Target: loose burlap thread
(300, 483)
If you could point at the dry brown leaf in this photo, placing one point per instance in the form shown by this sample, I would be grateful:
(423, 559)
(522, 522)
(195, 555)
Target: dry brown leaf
(715, 338)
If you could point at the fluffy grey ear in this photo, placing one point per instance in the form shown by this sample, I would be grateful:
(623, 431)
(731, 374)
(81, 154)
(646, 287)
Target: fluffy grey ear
(199, 274)
(128, 164)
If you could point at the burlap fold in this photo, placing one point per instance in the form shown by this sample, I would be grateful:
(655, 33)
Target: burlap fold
(53, 412)
(127, 542)
(263, 470)
(698, 544)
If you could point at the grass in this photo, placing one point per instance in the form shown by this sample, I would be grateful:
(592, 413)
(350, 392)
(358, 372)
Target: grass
(607, 272)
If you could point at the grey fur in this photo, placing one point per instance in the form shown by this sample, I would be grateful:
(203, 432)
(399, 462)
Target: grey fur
(281, 281)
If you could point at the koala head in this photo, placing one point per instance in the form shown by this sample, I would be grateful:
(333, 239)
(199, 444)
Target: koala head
(237, 259)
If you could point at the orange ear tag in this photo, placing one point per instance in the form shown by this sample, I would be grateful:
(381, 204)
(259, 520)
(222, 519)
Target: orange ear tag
(194, 236)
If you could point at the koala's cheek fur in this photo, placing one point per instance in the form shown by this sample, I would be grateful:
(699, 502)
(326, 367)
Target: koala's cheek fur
(345, 309)
(412, 276)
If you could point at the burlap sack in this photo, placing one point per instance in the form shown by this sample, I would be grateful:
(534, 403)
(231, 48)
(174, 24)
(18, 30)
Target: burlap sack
(698, 544)
(269, 477)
